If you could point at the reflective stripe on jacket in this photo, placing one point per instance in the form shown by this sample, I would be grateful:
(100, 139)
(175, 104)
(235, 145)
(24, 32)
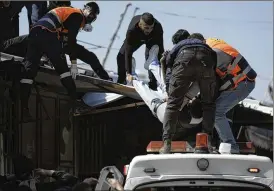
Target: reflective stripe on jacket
(232, 67)
(55, 19)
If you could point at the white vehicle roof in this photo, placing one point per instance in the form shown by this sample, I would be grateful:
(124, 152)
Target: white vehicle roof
(178, 166)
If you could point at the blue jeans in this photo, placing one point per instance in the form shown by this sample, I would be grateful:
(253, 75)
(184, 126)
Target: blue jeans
(225, 102)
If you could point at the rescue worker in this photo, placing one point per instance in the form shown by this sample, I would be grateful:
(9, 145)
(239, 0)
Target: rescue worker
(143, 29)
(80, 51)
(180, 35)
(44, 38)
(190, 60)
(237, 82)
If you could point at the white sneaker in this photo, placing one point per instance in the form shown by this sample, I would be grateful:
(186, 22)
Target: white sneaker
(153, 55)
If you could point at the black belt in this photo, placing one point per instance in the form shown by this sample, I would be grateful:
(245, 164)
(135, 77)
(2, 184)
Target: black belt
(197, 49)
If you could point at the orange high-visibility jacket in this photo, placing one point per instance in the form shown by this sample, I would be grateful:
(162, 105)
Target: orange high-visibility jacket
(54, 20)
(232, 67)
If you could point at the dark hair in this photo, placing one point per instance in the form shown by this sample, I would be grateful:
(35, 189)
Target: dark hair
(180, 35)
(94, 6)
(195, 108)
(148, 18)
(197, 36)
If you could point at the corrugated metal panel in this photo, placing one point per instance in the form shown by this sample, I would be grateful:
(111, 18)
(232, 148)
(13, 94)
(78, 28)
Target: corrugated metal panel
(8, 146)
(29, 140)
(48, 135)
(66, 138)
(114, 138)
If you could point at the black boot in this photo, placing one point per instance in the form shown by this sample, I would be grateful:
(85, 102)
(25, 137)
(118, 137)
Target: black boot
(166, 149)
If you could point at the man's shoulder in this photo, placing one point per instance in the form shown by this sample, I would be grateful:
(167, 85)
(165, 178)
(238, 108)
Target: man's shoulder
(158, 24)
(133, 23)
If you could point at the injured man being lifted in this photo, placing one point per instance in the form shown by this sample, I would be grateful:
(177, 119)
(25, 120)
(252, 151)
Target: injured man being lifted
(190, 112)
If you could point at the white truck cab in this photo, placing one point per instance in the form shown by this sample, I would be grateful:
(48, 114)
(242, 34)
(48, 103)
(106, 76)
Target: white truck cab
(199, 170)
(204, 171)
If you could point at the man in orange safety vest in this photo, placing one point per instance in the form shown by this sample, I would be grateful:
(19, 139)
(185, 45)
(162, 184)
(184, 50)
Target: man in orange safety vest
(237, 82)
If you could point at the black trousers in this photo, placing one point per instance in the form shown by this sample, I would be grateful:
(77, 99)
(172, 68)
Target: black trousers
(193, 64)
(18, 46)
(121, 64)
(90, 58)
(44, 42)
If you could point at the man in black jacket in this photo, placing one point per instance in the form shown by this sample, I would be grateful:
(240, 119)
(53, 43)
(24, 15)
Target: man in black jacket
(190, 60)
(143, 29)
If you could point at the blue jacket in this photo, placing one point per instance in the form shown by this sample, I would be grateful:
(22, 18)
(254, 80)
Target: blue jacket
(187, 43)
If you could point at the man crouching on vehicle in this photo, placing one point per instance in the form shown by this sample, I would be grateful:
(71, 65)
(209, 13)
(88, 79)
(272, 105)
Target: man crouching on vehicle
(190, 60)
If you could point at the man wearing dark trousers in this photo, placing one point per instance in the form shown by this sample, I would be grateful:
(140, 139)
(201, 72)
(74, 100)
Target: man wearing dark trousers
(44, 38)
(191, 60)
(80, 51)
(143, 29)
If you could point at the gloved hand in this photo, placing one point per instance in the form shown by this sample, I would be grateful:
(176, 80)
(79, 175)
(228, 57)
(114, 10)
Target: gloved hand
(74, 69)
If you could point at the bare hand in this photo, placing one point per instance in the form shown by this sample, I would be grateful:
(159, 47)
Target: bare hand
(165, 53)
(115, 184)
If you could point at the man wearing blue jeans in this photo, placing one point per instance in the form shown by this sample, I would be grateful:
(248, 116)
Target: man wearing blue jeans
(237, 82)
(225, 102)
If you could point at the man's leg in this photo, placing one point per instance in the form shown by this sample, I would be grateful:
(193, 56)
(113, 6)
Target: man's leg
(153, 64)
(91, 59)
(207, 84)
(225, 102)
(58, 60)
(152, 80)
(182, 76)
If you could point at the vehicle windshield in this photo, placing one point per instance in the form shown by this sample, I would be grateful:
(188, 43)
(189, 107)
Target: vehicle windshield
(202, 185)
